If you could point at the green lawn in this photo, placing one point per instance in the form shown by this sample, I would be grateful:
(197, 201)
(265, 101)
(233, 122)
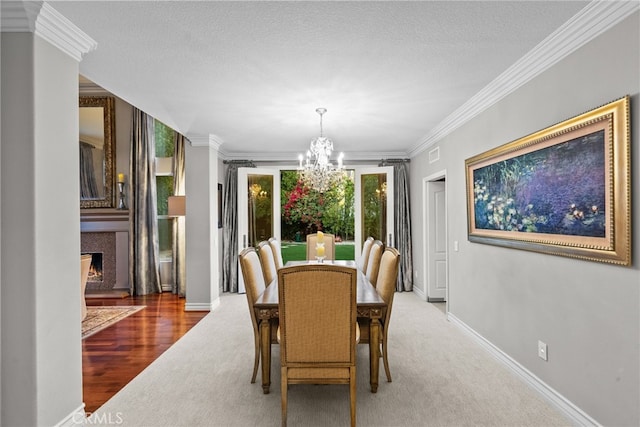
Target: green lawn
(292, 251)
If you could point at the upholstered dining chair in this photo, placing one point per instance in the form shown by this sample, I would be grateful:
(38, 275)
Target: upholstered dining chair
(373, 263)
(318, 328)
(277, 251)
(386, 287)
(85, 266)
(254, 285)
(267, 262)
(364, 255)
(329, 246)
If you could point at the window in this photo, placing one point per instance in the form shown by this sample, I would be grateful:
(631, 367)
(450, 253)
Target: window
(164, 141)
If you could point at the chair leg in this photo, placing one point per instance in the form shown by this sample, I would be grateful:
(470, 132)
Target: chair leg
(256, 338)
(352, 395)
(385, 359)
(283, 393)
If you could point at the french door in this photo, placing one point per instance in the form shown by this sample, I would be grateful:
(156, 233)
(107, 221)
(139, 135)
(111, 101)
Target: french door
(374, 206)
(258, 209)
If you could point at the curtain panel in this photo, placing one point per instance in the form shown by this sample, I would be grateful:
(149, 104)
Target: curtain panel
(402, 222)
(179, 263)
(88, 185)
(230, 225)
(144, 276)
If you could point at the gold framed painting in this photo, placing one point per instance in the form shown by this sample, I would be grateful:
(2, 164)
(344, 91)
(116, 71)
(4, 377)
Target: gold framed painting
(564, 190)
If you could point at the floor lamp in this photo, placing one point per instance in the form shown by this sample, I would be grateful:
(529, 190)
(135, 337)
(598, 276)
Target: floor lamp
(177, 211)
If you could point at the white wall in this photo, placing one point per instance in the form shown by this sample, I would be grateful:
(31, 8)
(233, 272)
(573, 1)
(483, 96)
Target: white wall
(41, 359)
(587, 312)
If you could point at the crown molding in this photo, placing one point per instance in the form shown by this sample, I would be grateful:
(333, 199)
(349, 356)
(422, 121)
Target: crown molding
(596, 18)
(292, 158)
(211, 141)
(92, 89)
(44, 21)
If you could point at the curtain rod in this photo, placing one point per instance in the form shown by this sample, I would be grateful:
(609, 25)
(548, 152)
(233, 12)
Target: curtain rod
(395, 161)
(231, 162)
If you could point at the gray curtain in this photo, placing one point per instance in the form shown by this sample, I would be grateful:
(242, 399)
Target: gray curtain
(402, 222)
(88, 186)
(230, 225)
(144, 276)
(179, 264)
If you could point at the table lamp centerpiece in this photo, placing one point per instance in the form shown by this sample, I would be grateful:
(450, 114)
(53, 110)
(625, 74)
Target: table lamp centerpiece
(320, 246)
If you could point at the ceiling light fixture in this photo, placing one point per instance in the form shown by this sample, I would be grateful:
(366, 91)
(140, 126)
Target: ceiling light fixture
(318, 172)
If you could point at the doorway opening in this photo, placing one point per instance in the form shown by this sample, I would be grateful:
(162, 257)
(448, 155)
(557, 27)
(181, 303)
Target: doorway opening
(436, 264)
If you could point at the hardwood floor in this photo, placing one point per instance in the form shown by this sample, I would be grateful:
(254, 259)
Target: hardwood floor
(114, 356)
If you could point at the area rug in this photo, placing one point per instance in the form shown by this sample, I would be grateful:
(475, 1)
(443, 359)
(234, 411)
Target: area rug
(101, 317)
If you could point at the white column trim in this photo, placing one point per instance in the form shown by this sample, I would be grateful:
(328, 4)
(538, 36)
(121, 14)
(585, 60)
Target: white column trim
(44, 21)
(211, 141)
(202, 306)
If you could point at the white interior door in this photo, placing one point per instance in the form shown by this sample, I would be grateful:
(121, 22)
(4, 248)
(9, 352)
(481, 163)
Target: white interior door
(374, 206)
(258, 209)
(436, 241)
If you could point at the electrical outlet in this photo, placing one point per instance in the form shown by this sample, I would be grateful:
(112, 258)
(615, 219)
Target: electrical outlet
(542, 350)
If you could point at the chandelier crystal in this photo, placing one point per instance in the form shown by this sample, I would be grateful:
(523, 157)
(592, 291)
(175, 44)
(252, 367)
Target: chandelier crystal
(318, 172)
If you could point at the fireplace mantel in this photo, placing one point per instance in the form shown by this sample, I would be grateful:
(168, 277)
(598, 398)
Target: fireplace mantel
(104, 220)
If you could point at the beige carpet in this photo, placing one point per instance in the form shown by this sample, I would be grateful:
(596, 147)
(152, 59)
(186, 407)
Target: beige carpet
(440, 378)
(101, 317)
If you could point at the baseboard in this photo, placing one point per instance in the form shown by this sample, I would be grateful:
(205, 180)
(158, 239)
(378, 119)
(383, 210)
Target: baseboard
(197, 306)
(576, 415)
(74, 419)
(419, 293)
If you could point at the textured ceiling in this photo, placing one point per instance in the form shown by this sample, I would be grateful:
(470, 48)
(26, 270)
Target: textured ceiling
(253, 73)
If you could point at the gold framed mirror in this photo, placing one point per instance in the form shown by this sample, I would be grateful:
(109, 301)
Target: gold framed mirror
(97, 151)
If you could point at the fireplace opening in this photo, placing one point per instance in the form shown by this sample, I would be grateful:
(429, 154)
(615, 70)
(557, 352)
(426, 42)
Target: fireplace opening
(96, 269)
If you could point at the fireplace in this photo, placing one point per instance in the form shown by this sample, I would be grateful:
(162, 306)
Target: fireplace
(105, 235)
(102, 247)
(96, 269)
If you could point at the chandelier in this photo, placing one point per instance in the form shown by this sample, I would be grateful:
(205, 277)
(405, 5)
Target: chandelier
(318, 172)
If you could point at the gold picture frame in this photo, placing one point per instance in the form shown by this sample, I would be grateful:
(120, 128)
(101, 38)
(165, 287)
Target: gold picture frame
(564, 190)
(97, 151)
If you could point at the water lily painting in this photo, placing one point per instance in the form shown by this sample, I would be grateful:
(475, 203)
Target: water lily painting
(563, 190)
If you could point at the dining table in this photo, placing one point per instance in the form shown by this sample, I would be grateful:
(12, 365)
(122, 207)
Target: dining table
(370, 307)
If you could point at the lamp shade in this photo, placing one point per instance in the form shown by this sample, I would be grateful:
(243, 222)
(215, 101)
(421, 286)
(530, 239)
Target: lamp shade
(177, 205)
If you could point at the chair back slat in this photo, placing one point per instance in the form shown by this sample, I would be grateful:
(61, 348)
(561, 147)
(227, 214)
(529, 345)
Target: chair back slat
(267, 262)
(373, 264)
(253, 277)
(317, 311)
(277, 251)
(388, 275)
(329, 246)
(364, 255)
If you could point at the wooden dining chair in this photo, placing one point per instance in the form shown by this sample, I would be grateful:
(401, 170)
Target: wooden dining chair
(329, 246)
(318, 328)
(386, 287)
(373, 263)
(254, 285)
(267, 262)
(364, 255)
(277, 251)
